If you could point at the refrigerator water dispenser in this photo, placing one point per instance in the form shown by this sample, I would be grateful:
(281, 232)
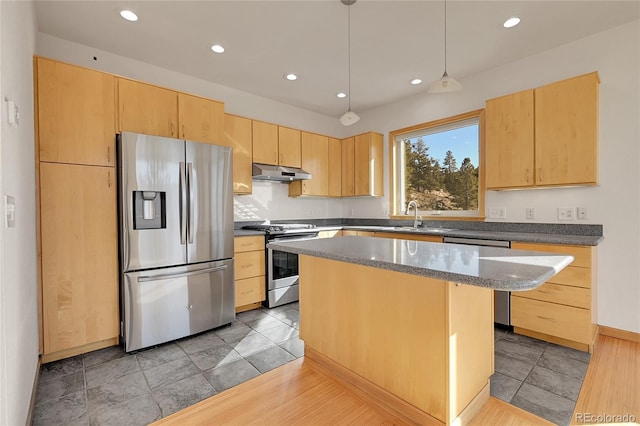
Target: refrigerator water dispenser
(149, 210)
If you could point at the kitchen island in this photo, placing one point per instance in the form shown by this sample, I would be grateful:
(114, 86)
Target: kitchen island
(410, 321)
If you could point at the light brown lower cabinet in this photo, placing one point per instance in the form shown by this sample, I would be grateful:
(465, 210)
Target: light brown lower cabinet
(351, 232)
(79, 258)
(560, 310)
(249, 261)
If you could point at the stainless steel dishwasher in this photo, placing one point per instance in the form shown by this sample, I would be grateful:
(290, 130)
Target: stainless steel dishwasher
(501, 299)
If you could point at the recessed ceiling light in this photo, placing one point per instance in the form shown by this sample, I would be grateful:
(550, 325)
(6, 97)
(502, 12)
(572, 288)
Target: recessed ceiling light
(341, 95)
(511, 22)
(416, 81)
(129, 15)
(291, 77)
(217, 48)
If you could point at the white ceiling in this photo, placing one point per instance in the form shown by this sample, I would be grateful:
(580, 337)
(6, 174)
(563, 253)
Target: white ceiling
(392, 42)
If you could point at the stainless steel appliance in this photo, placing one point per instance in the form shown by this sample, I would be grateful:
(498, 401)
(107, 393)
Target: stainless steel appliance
(501, 299)
(176, 238)
(282, 280)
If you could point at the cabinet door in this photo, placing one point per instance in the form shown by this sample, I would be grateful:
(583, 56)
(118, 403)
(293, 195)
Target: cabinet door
(265, 143)
(566, 126)
(335, 168)
(201, 120)
(368, 166)
(315, 160)
(289, 148)
(147, 109)
(68, 95)
(509, 143)
(348, 170)
(238, 136)
(79, 255)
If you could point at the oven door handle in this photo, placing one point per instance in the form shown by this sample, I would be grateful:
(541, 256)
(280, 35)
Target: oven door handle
(291, 240)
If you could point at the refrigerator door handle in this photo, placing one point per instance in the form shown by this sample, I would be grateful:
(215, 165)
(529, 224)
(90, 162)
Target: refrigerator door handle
(191, 198)
(183, 204)
(148, 278)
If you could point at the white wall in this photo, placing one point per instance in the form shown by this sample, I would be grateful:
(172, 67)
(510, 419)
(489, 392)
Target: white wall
(18, 281)
(614, 54)
(615, 203)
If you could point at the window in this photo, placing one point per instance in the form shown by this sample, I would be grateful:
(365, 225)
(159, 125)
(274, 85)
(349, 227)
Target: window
(437, 164)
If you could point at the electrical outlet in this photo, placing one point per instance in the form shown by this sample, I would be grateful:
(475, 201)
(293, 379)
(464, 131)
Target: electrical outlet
(498, 213)
(310, 212)
(566, 213)
(351, 212)
(582, 213)
(530, 213)
(385, 211)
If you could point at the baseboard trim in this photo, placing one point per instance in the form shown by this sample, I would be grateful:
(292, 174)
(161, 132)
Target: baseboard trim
(32, 403)
(248, 307)
(474, 407)
(553, 339)
(368, 390)
(620, 334)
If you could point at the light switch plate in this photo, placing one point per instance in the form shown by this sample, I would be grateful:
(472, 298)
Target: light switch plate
(9, 211)
(498, 213)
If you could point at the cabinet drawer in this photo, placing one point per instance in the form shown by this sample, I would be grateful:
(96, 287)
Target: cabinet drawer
(573, 276)
(249, 264)
(560, 294)
(562, 321)
(581, 254)
(250, 290)
(242, 244)
(330, 234)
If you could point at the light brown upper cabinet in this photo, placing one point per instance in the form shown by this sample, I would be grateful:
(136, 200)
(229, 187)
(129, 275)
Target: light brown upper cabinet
(265, 142)
(315, 160)
(544, 137)
(289, 147)
(201, 119)
(147, 109)
(68, 95)
(567, 131)
(368, 166)
(510, 145)
(238, 136)
(348, 169)
(79, 243)
(335, 167)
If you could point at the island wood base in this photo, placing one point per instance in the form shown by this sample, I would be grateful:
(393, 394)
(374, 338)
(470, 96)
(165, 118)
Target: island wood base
(428, 342)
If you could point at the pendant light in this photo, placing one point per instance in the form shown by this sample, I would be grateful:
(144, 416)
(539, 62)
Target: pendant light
(349, 117)
(446, 83)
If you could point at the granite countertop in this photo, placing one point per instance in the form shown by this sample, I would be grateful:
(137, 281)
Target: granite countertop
(491, 267)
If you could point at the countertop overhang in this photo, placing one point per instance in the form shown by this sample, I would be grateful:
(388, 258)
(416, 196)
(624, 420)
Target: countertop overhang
(491, 267)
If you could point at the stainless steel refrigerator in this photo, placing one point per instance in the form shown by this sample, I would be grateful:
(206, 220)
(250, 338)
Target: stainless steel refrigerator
(176, 238)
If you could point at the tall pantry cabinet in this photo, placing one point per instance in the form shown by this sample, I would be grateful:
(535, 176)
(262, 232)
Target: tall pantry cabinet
(77, 223)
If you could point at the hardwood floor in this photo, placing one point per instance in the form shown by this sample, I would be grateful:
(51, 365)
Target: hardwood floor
(297, 393)
(612, 384)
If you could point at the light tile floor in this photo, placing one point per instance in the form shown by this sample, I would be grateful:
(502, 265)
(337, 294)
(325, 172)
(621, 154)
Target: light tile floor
(110, 387)
(539, 377)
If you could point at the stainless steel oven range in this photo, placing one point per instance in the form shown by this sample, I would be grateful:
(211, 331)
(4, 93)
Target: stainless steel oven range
(282, 278)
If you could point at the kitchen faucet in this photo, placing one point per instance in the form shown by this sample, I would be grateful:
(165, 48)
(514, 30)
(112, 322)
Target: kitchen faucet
(413, 204)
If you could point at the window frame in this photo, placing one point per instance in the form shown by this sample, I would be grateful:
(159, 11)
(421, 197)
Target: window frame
(394, 173)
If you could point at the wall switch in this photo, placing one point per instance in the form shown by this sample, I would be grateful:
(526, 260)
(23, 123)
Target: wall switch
(498, 213)
(582, 213)
(9, 211)
(530, 213)
(566, 213)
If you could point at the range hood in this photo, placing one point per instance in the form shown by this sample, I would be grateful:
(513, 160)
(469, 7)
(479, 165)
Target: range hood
(278, 173)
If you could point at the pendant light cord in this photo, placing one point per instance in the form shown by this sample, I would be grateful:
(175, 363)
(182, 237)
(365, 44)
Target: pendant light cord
(445, 36)
(349, 53)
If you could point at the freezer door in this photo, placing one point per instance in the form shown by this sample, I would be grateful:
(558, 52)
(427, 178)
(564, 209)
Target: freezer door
(210, 177)
(150, 199)
(166, 304)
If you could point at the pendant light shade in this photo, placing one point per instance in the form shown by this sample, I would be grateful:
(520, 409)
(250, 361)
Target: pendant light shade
(446, 83)
(349, 117)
